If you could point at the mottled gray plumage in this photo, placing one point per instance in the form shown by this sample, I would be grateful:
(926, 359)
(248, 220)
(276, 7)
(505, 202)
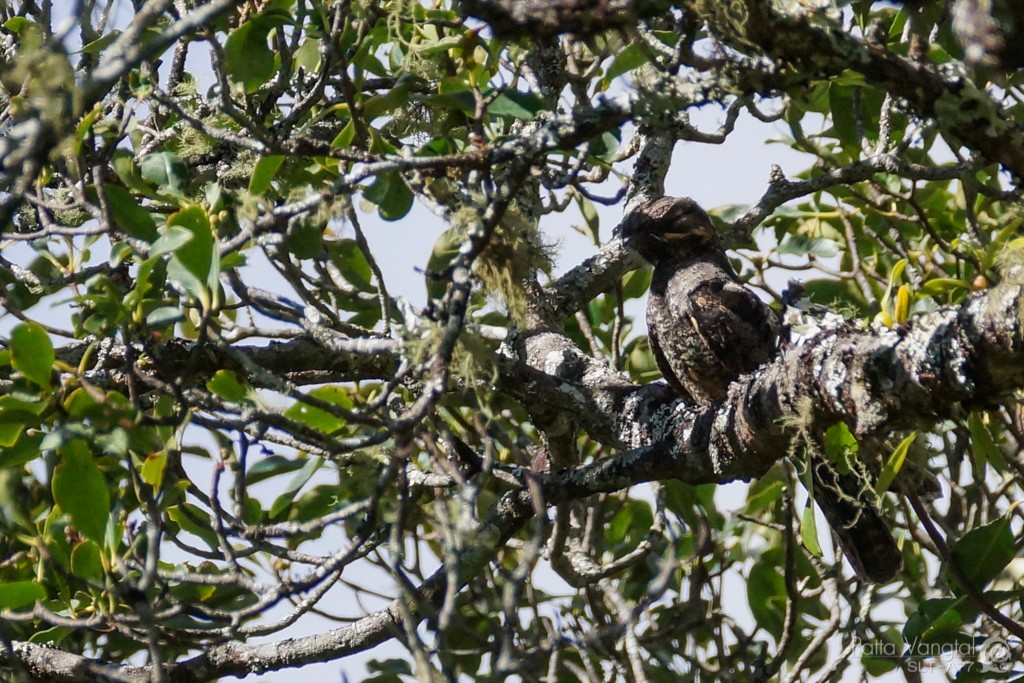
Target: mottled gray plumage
(706, 329)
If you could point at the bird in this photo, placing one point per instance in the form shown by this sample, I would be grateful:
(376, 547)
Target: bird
(706, 329)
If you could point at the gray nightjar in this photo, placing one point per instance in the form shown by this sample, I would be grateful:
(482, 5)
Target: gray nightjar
(706, 329)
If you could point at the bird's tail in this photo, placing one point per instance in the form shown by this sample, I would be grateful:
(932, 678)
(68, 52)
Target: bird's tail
(849, 506)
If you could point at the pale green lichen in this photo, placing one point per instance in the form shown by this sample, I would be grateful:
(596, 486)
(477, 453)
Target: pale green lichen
(74, 216)
(192, 142)
(1010, 261)
(513, 256)
(969, 106)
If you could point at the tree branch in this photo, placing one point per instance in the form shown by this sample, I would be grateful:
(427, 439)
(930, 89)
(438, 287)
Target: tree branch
(875, 380)
(801, 39)
(301, 360)
(813, 46)
(544, 18)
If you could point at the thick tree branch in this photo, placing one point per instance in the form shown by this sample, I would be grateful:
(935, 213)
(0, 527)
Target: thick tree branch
(780, 190)
(418, 425)
(802, 39)
(874, 380)
(301, 360)
(824, 47)
(544, 18)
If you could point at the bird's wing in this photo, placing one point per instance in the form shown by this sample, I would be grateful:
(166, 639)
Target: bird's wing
(740, 330)
(664, 365)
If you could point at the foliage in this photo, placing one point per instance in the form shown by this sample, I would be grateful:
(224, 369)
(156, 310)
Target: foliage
(215, 400)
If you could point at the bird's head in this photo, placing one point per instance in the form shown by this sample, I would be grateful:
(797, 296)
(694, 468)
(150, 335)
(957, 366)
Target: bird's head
(670, 229)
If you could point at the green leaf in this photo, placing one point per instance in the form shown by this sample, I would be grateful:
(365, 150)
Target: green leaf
(391, 195)
(809, 531)
(894, 464)
(939, 620)
(216, 197)
(901, 311)
(441, 45)
(843, 115)
(319, 419)
(764, 493)
(606, 145)
(344, 138)
(518, 105)
(164, 315)
(271, 467)
(153, 469)
(32, 353)
(84, 128)
(308, 55)
(252, 511)
(766, 595)
(15, 416)
(81, 491)
(636, 283)
(228, 385)
(100, 44)
(305, 239)
(446, 248)
(16, 24)
(115, 442)
(82, 404)
(24, 450)
(263, 173)
(881, 655)
(631, 57)
(119, 253)
(283, 501)
(196, 264)
(615, 530)
(86, 561)
(195, 521)
(350, 261)
(983, 446)
(941, 286)
(801, 245)
(171, 239)
(248, 58)
(886, 302)
(984, 552)
(319, 501)
(839, 443)
(590, 217)
(18, 594)
(50, 636)
(165, 169)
